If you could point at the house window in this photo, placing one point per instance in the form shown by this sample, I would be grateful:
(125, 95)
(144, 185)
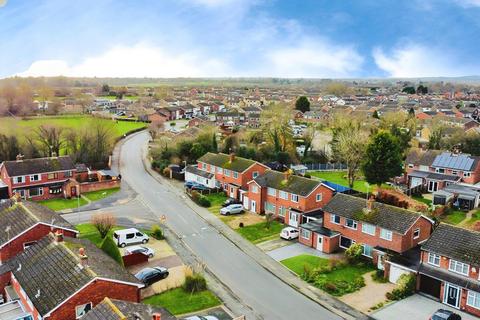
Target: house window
(294, 197)
(318, 197)
(82, 310)
(269, 207)
(204, 166)
(473, 299)
(386, 234)
(212, 169)
(255, 174)
(283, 195)
(467, 174)
(272, 192)
(350, 223)
(367, 250)
(219, 170)
(305, 234)
(434, 259)
(416, 233)
(454, 172)
(68, 173)
(410, 165)
(35, 192)
(439, 170)
(20, 179)
(29, 244)
(34, 177)
(368, 228)
(458, 267)
(282, 211)
(334, 219)
(235, 174)
(227, 173)
(254, 189)
(52, 176)
(345, 242)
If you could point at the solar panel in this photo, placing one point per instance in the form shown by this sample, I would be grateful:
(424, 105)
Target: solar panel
(457, 162)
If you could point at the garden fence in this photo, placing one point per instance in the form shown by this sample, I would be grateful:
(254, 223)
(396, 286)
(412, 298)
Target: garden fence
(326, 166)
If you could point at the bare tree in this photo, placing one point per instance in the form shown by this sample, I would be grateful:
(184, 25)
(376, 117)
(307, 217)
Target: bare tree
(103, 222)
(269, 218)
(155, 128)
(50, 138)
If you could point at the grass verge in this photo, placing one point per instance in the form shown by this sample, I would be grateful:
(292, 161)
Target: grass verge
(62, 204)
(100, 194)
(258, 232)
(177, 301)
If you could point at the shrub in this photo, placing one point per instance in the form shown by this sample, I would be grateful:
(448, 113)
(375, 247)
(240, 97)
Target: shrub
(476, 226)
(379, 276)
(157, 232)
(195, 195)
(195, 283)
(109, 247)
(204, 201)
(354, 253)
(241, 225)
(406, 287)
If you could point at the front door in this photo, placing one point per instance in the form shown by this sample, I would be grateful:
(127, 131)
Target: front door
(293, 219)
(73, 191)
(452, 295)
(254, 206)
(319, 242)
(245, 202)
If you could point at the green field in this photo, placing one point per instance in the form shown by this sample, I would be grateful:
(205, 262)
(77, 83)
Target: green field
(10, 125)
(339, 177)
(177, 301)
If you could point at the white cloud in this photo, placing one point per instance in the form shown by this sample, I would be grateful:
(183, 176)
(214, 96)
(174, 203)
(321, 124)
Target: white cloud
(3, 3)
(141, 60)
(314, 58)
(419, 61)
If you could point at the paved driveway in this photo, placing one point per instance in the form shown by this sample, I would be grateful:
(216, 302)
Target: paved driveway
(416, 307)
(296, 249)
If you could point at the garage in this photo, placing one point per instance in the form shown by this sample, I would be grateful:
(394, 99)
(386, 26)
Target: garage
(396, 271)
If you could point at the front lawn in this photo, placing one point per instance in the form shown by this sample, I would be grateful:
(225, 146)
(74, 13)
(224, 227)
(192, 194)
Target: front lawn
(454, 216)
(216, 201)
(336, 277)
(339, 177)
(475, 218)
(100, 194)
(88, 231)
(258, 232)
(177, 301)
(62, 204)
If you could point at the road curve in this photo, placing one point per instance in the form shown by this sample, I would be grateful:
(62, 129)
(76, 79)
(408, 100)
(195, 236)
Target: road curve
(267, 295)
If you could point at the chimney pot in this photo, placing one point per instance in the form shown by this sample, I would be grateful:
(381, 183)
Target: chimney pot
(19, 157)
(232, 157)
(370, 202)
(157, 316)
(59, 236)
(83, 257)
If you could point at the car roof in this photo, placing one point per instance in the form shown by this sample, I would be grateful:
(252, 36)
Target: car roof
(123, 231)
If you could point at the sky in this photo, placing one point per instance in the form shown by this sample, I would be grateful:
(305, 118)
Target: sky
(240, 38)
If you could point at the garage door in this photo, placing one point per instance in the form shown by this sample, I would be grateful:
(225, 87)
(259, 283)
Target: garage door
(395, 273)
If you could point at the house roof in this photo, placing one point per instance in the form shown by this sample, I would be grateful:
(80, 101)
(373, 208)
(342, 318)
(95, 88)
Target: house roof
(19, 217)
(456, 243)
(294, 184)
(387, 216)
(464, 162)
(198, 172)
(110, 309)
(445, 275)
(421, 158)
(38, 165)
(222, 160)
(50, 272)
(317, 227)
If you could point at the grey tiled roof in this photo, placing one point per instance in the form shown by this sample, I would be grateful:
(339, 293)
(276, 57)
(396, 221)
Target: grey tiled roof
(39, 165)
(126, 311)
(421, 158)
(50, 272)
(198, 172)
(456, 243)
(295, 184)
(18, 217)
(388, 217)
(222, 160)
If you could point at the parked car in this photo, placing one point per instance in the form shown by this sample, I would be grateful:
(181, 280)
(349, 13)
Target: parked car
(199, 187)
(129, 236)
(201, 318)
(230, 201)
(141, 249)
(442, 314)
(231, 209)
(151, 275)
(190, 184)
(289, 233)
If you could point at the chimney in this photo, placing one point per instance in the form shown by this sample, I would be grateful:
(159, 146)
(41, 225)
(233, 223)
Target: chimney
(232, 157)
(58, 236)
(19, 157)
(156, 316)
(83, 257)
(370, 202)
(287, 174)
(54, 154)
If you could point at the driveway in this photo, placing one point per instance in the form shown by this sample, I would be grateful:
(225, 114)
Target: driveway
(296, 249)
(416, 307)
(219, 312)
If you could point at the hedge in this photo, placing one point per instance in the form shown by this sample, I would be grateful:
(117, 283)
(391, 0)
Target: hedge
(109, 247)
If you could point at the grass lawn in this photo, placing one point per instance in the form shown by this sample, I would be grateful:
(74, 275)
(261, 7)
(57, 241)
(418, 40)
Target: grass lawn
(62, 204)
(88, 231)
(475, 218)
(177, 301)
(216, 200)
(428, 202)
(338, 177)
(296, 264)
(454, 217)
(257, 233)
(101, 194)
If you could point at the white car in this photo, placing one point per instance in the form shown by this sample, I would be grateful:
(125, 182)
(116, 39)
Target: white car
(130, 236)
(289, 233)
(141, 249)
(201, 318)
(232, 209)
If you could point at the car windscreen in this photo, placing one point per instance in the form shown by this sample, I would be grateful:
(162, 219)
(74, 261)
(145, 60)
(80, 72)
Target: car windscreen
(145, 272)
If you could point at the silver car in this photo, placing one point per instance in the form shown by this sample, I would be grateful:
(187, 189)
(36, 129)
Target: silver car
(232, 209)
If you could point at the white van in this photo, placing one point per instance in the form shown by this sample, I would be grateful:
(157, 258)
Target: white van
(126, 237)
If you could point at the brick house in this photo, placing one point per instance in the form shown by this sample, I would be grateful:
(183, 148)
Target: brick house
(231, 173)
(25, 223)
(449, 269)
(289, 197)
(383, 230)
(40, 178)
(56, 280)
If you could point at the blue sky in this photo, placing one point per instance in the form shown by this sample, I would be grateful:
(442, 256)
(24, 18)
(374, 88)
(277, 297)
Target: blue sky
(249, 38)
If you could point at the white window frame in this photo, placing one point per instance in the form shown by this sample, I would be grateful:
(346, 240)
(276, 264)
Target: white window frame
(306, 234)
(271, 192)
(366, 226)
(15, 179)
(332, 219)
(432, 257)
(254, 174)
(354, 224)
(212, 169)
(235, 174)
(440, 170)
(384, 233)
(282, 211)
(33, 176)
(204, 166)
(454, 172)
(294, 197)
(462, 265)
(40, 193)
(254, 189)
(219, 170)
(81, 306)
(416, 231)
(273, 208)
(467, 174)
(318, 197)
(283, 195)
(226, 172)
(473, 299)
(371, 251)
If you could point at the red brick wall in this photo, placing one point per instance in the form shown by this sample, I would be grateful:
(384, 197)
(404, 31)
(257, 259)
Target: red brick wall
(4, 281)
(15, 247)
(99, 185)
(307, 242)
(23, 299)
(445, 262)
(257, 197)
(95, 293)
(134, 259)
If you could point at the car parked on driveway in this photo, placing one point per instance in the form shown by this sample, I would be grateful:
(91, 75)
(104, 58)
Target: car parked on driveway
(141, 249)
(151, 275)
(130, 236)
(230, 201)
(232, 209)
(289, 233)
(442, 314)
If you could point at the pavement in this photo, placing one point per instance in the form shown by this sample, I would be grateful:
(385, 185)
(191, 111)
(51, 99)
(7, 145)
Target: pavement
(296, 249)
(416, 307)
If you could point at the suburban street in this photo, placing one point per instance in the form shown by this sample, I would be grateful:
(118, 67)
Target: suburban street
(268, 296)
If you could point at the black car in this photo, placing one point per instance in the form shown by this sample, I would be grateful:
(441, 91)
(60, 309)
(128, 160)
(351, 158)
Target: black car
(442, 314)
(151, 275)
(230, 201)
